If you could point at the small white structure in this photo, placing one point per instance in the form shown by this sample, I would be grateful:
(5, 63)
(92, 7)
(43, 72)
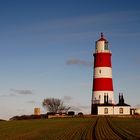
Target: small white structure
(36, 111)
(113, 110)
(137, 110)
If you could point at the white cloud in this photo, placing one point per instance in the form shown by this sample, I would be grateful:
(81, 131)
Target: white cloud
(78, 24)
(8, 95)
(81, 108)
(21, 91)
(67, 98)
(79, 62)
(31, 102)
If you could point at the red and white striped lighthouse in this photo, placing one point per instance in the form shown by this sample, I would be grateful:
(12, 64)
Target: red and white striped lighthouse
(102, 92)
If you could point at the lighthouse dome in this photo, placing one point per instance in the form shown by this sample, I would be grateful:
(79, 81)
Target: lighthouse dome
(102, 45)
(102, 38)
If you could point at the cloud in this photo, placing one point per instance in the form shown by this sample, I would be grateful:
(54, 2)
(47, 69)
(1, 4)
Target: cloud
(20, 110)
(3, 95)
(67, 98)
(75, 108)
(80, 108)
(79, 62)
(8, 95)
(78, 24)
(31, 102)
(21, 91)
(138, 106)
(11, 94)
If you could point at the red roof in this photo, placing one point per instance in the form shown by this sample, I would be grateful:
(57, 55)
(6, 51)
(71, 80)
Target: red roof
(102, 38)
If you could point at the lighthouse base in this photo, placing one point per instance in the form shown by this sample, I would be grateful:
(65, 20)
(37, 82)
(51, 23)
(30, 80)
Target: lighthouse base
(94, 109)
(110, 109)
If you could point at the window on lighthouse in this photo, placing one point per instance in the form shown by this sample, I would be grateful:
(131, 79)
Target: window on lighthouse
(106, 46)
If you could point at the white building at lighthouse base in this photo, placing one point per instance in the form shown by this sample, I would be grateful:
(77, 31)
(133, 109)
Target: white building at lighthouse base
(113, 110)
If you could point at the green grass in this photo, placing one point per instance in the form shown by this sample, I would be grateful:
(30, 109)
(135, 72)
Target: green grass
(70, 129)
(49, 129)
(129, 127)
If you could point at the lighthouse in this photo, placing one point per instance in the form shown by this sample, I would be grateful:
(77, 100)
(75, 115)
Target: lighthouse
(102, 91)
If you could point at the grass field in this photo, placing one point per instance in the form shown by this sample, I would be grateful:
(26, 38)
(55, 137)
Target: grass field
(71, 129)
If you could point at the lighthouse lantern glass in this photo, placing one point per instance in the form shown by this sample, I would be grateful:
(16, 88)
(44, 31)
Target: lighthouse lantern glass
(106, 46)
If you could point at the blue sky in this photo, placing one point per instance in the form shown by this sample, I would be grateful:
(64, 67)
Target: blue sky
(46, 50)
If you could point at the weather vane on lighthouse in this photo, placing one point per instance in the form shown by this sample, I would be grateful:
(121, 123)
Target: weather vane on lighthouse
(102, 35)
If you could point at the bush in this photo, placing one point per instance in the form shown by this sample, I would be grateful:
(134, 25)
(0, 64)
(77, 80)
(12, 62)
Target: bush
(51, 113)
(71, 113)
(29, 117)
(2, 120)
(80, 114)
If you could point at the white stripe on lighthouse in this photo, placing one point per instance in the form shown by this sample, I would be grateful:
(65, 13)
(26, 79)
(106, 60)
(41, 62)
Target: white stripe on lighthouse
(103, 72)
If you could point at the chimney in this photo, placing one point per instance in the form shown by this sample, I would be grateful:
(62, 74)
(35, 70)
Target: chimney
(104, 98)
(107, 98)
(122, 99)
(119, 98)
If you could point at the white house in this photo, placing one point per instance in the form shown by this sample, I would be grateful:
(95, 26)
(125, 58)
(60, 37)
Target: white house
(114, 110)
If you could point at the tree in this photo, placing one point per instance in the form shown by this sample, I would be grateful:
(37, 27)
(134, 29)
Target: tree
(54, 105)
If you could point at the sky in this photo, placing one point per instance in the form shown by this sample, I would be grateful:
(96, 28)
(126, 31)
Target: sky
(47, 46)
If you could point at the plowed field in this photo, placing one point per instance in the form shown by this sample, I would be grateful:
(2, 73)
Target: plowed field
(96, 128)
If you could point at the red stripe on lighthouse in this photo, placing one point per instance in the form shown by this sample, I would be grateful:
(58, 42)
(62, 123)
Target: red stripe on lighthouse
(102, 60)
(100, 84)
